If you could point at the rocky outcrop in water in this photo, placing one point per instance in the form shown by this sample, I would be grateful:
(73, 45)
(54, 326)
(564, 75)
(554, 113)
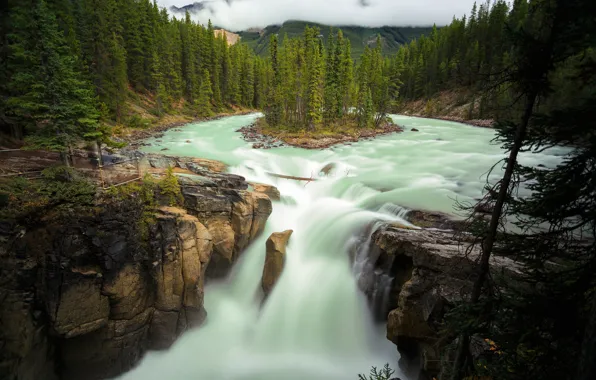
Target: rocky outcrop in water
(428, 272)
(275, 259)
(84, 296)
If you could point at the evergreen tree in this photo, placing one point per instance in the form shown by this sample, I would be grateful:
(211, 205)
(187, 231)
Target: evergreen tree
(47, 93)
(274, 108)
(315, 98)
(203, 101)
(544, 324)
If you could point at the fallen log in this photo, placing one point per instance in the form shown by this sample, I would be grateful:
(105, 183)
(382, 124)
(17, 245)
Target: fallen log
(283, 176)
(292, 177)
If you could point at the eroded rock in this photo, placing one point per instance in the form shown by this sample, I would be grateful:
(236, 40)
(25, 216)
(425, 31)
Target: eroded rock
(274, 259)
(84, 297)
(271, 191)
(431, 270)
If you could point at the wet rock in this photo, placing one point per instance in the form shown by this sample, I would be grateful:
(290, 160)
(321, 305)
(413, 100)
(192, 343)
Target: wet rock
(433, 219)
(262, 208)
(188, 141)
(414, 130)
(327, 169)
(85, 297)
(271, 191)
(274, 259)
(79, 308)
(431, 271)
(128, 291)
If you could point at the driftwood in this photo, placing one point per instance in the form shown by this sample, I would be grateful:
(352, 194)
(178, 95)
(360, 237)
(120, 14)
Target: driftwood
(292, 177)
(283, 176)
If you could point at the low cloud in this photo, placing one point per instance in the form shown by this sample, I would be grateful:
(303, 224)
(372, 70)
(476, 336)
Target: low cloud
(243, 14)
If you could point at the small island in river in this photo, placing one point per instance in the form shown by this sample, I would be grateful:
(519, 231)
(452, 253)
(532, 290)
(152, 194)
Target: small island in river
(263, 136)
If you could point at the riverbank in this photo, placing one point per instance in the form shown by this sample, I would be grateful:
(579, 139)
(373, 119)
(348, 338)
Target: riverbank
(132, 136)
(458, 105)
(482, 123)
(265, 137)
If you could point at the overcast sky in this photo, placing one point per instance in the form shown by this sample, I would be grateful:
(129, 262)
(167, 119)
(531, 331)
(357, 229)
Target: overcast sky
(242, 14)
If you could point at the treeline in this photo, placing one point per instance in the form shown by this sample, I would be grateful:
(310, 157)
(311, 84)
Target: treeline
(69, 67)
(469, 53)
(315, 82)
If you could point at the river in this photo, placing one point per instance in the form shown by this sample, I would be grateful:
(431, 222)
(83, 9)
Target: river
(315, 324)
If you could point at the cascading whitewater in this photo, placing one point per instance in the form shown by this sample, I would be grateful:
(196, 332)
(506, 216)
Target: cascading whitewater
(315, 324)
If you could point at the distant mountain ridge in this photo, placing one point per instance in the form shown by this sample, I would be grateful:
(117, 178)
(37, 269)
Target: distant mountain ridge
(392, 37)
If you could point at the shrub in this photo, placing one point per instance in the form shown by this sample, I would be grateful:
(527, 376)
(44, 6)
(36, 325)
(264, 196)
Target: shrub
(169, 188)
(137, 122)
(383, 374)
(60, 188)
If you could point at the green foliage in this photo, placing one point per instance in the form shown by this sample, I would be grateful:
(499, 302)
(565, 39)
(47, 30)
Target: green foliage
(203, 101)
(148, 195)
(542, 321)
(169, 188)
(137, 122)
(314, 84)
(384, 373)
(59, 189)
(67, 64)
(46, 92)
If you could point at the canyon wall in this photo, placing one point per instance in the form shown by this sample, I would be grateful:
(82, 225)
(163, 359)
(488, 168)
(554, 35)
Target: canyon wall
(84, 296)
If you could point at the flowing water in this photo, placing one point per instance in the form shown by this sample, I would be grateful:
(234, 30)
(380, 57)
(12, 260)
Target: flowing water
(315, 324)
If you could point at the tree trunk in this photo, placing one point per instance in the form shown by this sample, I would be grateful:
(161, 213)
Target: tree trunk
(64, 158)
(489, 241)
(99, 157)
(16, 131)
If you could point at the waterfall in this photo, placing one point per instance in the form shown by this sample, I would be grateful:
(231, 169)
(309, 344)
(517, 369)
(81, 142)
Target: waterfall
(315, 324)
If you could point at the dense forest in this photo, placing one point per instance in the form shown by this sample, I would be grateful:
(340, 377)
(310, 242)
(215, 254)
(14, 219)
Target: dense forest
(69, 69)
(314, 84)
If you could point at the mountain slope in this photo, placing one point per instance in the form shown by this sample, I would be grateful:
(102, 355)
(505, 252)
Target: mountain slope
(360, 36)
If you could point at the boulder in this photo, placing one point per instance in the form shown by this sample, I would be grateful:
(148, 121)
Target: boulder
(434, 219)
(262, 208)
(274, 259)
(271, 191)
(223, 247)
(327, 169)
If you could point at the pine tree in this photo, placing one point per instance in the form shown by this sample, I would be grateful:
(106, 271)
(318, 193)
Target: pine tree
(315, 98)
(47, 93)
(331, 81)
(540, 322)
(203, 102)
(274, 107)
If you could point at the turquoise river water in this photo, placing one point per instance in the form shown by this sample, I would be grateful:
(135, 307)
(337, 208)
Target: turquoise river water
(315, 324)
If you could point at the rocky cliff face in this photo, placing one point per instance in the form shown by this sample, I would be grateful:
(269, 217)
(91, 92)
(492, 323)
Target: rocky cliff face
(84, 296)
(428, 270)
